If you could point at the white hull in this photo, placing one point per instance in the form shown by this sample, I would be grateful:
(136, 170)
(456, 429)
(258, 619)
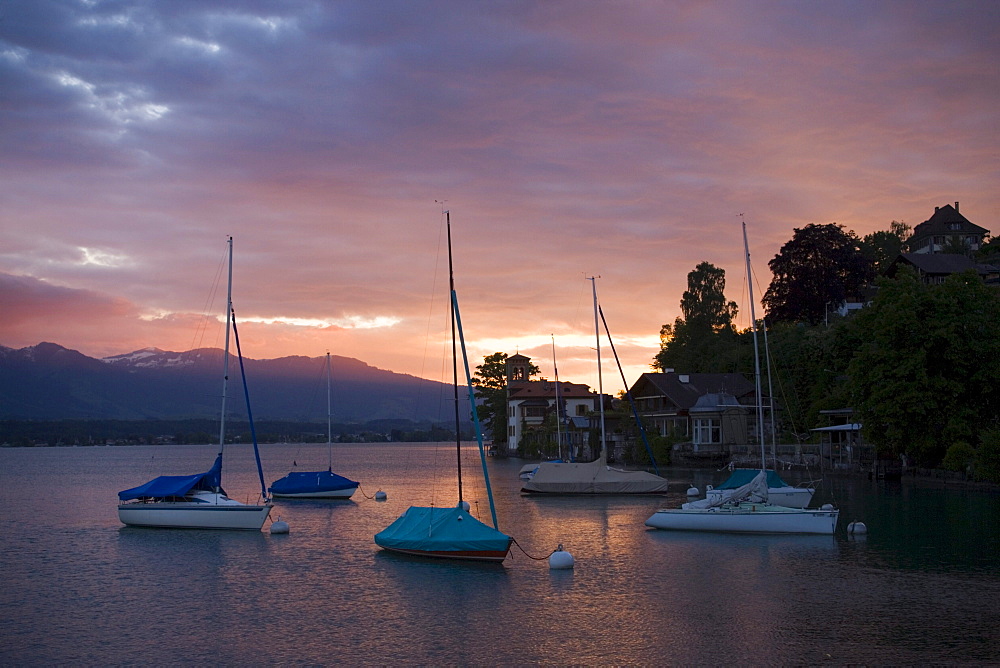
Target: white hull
(334, 494)
(789, 497)
(224, 513)
(747, 518)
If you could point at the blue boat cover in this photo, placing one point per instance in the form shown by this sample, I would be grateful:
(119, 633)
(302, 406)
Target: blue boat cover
(167, 486)
(304, 482)
(741, 477)
(424, 529)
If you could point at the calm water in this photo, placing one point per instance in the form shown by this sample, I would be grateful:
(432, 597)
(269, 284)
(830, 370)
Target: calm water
(80, 588)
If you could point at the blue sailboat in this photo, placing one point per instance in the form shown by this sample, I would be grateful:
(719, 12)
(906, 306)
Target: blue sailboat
(450, 532)
(198, 501)
(317, 484)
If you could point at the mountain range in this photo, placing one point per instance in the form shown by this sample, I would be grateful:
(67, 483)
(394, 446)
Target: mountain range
(50, 382)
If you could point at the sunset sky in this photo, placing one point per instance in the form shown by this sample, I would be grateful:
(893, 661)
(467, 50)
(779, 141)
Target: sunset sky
(568, 139)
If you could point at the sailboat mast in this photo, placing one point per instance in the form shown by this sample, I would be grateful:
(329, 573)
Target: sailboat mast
(454, 357)
(756, 354)
(555, 368)
(225, 356)
(329, 425)
(600, 378)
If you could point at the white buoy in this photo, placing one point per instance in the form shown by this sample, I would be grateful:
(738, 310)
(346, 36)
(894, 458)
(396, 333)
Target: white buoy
(464, 505)
(280, 526)
(694, 491)
(380, 496)
(826, 506)
(560, 559)
(857, 528)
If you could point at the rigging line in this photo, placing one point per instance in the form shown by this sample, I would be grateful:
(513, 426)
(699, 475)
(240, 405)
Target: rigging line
(628, 393)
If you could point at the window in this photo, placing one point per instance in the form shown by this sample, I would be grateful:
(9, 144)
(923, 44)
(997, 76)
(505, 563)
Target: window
(581, 409)
(707, 430)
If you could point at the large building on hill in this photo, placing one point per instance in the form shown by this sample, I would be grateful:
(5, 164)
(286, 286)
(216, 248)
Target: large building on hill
(946, 229)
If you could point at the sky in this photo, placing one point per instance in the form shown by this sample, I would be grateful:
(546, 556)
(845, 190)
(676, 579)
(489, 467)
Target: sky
(625, 140)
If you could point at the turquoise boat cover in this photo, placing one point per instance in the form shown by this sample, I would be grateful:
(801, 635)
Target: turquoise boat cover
(741, 477)
(306, 482)
(167, 486)
(436, 530)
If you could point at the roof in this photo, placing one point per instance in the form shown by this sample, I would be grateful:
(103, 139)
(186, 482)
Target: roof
(526, 389)
(939, 264)
(840, 427)
(943, 218)
(684, 389)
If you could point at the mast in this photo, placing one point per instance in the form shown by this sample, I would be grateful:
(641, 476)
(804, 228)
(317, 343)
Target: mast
(600, 380)
(225, 356)
(454, 358)
(329, 428)
(756, 354)
(558, 402)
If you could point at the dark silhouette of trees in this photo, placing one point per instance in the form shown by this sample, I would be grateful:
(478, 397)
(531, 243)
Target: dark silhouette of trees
(817, 270)
(703, 338)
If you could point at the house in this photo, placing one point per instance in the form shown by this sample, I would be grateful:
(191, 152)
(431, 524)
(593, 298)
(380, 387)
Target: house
(710, 411)
(934, 268)
(946, 229)
(530, 402)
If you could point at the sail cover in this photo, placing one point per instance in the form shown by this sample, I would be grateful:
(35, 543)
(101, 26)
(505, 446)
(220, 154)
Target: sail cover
(594, 477)
(167, 486)
(303, 482)
(441, 530)
(741, 477)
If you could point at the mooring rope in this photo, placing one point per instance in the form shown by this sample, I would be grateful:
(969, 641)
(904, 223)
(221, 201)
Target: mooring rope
(528, 555)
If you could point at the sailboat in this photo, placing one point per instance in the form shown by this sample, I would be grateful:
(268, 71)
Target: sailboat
(198, 501)
(594, 477)
(779, 492)
(747, 509)
(451, 533)
(317, 484)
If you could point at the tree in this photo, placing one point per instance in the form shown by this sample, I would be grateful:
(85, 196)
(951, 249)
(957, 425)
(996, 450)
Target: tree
(819, 268)
(703, 338)
(882, 248)
(490, 380)
(926, 370)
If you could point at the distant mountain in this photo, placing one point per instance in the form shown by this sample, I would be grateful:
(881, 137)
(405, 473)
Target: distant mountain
(49, 382)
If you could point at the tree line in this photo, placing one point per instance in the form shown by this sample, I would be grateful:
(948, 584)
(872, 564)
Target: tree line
(919, 364)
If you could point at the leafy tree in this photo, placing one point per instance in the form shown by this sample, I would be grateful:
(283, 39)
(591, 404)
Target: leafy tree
(490, 380)
(822, 265)
(926, 371)
(883, 247)
(702, 339)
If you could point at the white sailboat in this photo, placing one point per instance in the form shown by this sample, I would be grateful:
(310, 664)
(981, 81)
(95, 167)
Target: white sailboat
(198, 501)
(317, 484)
(594, 477)
(747, 509)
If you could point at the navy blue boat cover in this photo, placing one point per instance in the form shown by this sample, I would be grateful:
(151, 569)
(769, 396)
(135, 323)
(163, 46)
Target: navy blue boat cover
(305, 482)
(741, 477)
(177, 485)
(425, 529)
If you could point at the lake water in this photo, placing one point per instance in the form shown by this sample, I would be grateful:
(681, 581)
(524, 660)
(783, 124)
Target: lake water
(80, 588)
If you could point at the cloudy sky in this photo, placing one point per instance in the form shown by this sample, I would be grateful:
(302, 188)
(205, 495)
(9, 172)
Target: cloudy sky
(620, 139)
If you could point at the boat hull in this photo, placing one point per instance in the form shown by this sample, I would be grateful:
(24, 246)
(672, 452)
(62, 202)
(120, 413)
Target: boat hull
(318, 494)
(747, 518)
(444, 533)
(590, 478)
(313, 485)
(193, 515)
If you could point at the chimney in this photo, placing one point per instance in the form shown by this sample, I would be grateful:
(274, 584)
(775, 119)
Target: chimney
(936, 209)
(956, 207)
